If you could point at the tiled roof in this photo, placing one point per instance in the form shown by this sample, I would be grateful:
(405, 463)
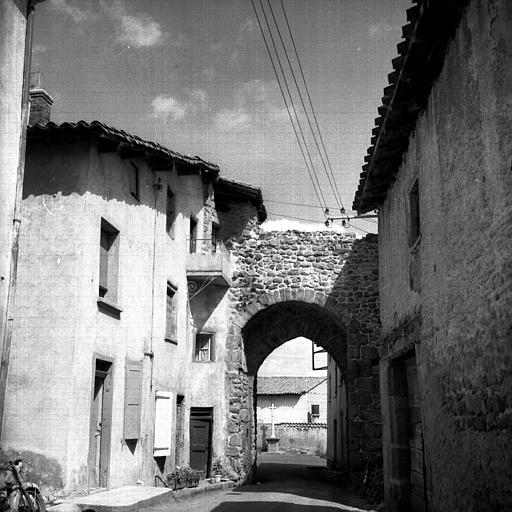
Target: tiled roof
(430, 27)
(121, 140)
(287, 385)
(227, 190)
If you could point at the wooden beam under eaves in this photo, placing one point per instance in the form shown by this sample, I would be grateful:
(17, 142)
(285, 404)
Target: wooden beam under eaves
(128, 151)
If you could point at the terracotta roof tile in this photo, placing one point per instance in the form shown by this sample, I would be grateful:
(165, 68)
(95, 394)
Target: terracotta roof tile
(287, 385)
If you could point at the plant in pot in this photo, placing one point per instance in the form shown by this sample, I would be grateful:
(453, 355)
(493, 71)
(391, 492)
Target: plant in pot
(192, 476)
(177, 478)
(216, 470)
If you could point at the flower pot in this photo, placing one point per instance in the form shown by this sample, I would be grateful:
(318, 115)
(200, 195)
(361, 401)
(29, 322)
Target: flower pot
(192, 481)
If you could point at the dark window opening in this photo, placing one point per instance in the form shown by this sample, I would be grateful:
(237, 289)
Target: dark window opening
(109, 242)
(215, 237)
(170, 315)
(203, 350)
(170, 211)
(414, 204)
(315, 410)
(134, 181)
(192, 235)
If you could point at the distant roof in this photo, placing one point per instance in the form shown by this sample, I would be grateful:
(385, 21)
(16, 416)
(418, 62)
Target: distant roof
(228, 190)
(287, 385)
(114, 139)
(421, 56)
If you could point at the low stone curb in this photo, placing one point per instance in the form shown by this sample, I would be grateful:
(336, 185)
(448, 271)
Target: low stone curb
(166, 496)
(188, 492)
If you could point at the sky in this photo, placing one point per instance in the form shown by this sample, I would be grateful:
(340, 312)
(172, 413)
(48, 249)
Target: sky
(194, 75)
(293, 358)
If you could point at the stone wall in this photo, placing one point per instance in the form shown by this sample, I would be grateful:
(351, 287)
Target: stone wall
(456, 318)
(320, 285)
(308, 438)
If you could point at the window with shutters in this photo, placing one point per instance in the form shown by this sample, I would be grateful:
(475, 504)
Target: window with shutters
(203, 348)
(132, 400)
(170, 314)
(109, 253)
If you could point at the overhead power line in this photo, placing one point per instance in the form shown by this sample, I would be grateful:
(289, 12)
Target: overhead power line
(332, 182)
(311, 102)
(292, 103)
(311, 172)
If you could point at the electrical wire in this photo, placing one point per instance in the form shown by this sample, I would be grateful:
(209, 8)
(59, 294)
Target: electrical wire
(311, 103)
(336, 196)
(312, 172)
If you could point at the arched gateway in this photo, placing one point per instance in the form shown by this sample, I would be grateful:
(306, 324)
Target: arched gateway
(322, 286)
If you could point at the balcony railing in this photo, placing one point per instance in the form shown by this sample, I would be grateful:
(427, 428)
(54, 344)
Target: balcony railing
(212, 260)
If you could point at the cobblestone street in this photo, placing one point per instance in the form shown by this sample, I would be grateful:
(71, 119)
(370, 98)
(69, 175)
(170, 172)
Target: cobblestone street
(285, 483)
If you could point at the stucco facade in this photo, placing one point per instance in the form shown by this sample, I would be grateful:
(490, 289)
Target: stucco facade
(65, 333)
(445, 249)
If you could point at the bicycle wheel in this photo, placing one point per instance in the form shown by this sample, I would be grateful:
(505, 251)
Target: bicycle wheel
(18, 502)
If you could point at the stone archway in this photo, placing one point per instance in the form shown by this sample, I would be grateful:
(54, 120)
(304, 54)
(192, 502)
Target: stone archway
(282, 280)
(283, 321)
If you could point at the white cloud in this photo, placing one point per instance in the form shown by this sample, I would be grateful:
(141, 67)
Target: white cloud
(209, 73)
(72, 9)
(139, 31)
(247, 26)
(232, 120)
(379, 29)
(168, 108)
(198, 95)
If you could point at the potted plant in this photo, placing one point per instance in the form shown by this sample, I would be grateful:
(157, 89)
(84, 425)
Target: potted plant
(192, 477)
(216, 470)
(177, 478)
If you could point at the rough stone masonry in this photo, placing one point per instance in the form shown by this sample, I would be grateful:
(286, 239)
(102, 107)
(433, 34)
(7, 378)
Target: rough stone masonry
(320, 285)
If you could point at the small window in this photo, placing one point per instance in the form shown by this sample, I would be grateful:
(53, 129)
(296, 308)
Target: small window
(315, 410)
(215, 236)
(192, 235)
(109, 249)
(170, 315)
(134, 181)
(204, 347)
(414, 205)
(170, 211)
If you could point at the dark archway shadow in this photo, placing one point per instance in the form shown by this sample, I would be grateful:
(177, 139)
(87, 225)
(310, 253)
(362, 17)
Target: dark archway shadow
(284, 478)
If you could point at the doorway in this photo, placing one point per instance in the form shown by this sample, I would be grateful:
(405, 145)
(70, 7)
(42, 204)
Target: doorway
(180, 423)
(101, 424)
(201, 422)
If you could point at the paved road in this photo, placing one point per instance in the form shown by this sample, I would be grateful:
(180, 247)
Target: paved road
(286, 483)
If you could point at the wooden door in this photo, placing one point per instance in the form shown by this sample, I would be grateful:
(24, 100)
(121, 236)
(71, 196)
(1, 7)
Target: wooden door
(200, 444)
(417, 460)
(100, 425)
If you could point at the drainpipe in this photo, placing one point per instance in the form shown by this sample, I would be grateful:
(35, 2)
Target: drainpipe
(11, 287)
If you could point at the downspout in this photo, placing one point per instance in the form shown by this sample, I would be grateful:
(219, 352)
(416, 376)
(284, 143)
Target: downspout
(13, 271)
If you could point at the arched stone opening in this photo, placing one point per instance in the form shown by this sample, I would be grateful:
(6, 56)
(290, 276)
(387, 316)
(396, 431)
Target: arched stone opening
(273, 322)
(281, 322)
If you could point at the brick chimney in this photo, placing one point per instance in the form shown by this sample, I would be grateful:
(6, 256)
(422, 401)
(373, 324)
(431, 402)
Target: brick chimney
(40, 101)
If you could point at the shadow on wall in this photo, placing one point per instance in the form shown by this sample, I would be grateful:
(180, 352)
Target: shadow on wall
(37, 468)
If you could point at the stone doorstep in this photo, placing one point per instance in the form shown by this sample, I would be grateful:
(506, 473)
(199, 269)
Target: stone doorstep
(134, 497)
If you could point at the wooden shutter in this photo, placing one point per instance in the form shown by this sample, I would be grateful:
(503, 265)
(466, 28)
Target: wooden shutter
(133, 400)
(163, 424)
